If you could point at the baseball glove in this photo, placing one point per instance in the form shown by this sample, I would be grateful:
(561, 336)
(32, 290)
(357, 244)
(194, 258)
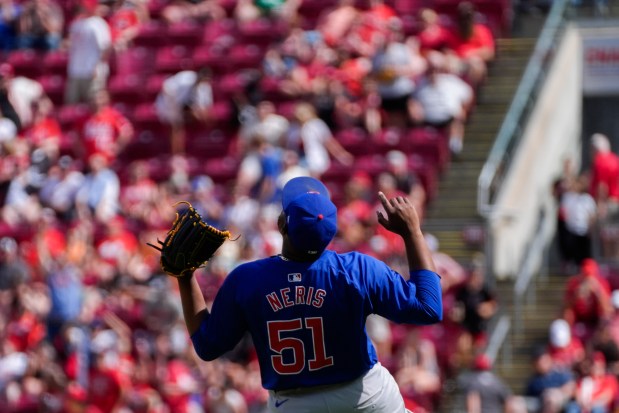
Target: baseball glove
(189, 243)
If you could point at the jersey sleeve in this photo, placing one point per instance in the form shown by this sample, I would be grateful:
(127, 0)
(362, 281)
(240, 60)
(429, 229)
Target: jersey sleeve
(224, 326)
(414, 301)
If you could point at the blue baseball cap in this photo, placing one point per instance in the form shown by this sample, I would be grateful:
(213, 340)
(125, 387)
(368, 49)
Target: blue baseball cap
(311, 217)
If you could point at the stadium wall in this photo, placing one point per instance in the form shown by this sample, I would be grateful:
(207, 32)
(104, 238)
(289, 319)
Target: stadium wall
(552, 135)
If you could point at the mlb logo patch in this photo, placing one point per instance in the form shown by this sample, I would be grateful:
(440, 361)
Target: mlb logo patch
(294, 277)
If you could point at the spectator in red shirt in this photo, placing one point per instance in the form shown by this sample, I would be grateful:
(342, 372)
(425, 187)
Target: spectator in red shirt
(587, 300)
(596, 389)
(106, 132)
(604, 175)
(125, 20)
(432, 36)
(564, 348)
(473, 43)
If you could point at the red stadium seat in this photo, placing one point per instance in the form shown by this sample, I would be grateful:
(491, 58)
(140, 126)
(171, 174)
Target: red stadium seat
(222, 170)
(26, 62)
(186, 33)
(55, 62)
(145, 117)
(246, 56)
(136, 60)
(262, 31)
(431, 144)
(54, 87)
(173, 59)
(71, 117)
(223, 32)
(354, 140)
(209, 144)
(151, 34)
(127, 89)
(213, 57)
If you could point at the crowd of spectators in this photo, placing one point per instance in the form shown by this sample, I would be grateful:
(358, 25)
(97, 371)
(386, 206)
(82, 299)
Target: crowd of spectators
(88, 321)
(575, 369)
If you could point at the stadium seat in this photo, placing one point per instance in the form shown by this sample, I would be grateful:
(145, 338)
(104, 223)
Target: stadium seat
(185, 33)
(151, 34)
(222, 170)
(209, 143)
(246, 56)
(427, 172)
(54, 87)
(431, 144)
(228, 85)
(72, 116)
(136, 60)
(55, 62)
(221, 32)
(354, 140)
(213, 57)
(127, 88)
(373, 164)
(145, 117)
(262, 31)
(173, 59)
(26, 62)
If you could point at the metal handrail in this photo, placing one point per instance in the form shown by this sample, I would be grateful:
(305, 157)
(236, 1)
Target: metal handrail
(509, 134)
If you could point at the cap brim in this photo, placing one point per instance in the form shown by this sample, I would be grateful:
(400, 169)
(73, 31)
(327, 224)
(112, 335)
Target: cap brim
(302, 185)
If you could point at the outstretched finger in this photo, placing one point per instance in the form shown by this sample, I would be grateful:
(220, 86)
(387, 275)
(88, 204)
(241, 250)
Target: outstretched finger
(386, 203)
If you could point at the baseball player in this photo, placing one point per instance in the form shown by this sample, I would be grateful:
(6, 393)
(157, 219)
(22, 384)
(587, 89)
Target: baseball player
(306, 308)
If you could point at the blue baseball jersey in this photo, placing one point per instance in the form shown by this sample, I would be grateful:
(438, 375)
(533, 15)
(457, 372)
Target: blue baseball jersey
(307, 319)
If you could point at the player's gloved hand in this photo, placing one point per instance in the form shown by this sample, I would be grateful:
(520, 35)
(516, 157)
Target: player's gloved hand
(401, 219)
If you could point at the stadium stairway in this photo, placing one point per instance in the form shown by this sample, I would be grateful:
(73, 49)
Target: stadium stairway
(453, 218)
(452, 215)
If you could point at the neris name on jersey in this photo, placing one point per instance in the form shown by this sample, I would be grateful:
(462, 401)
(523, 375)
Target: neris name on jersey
(299, 295)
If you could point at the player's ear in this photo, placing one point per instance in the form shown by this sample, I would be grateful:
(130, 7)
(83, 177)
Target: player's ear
(281, 223)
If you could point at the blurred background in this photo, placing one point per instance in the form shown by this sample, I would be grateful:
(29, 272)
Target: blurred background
(498, 118)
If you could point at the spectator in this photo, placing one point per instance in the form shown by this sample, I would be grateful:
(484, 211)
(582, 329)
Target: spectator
(587, 301)
(177, 11)
(317, 141)
(252, 10)
(105, 131)
(9, 16)
(259, 170)
(263, 121)
(98, 197)
(476, 303)
(596, 389)
(417, 370)
(604, 342)
(184, 96)
(442, 100)
(41, 25)
(407, 180)
(13, 269)
(565, 349)
(604, 184)
(335, 22)
(89, 45)
(60, 187)
(395, 64)
(579, 212)
(139, 194)
(44, 133)
(126, 19)
(23, 95)
(433, 36)
(485, 392)
(550, 387)
(472, 43)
